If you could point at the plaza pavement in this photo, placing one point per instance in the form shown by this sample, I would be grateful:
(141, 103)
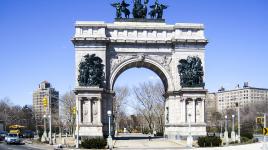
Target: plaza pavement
(141, 142)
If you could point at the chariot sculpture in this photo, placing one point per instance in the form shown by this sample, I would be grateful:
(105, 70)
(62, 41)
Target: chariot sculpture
(140, 9)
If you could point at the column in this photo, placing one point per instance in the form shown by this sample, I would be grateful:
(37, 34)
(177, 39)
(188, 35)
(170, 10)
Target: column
(193, 111)
(203, 111)
(99, 111)
(89, 111)
(184, 111)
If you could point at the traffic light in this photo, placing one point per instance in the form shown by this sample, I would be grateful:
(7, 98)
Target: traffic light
(74, 110)
(45, 101)
(260, 120)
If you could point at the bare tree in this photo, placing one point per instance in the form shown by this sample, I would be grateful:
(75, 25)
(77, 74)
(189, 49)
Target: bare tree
(67, 103)
(15, 114)
(151, 103)
(121, 94)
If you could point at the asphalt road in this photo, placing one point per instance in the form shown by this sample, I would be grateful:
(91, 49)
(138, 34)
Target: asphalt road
(4, 146)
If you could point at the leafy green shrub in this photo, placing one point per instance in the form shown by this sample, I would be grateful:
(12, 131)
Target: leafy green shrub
(247, 135)
(146, 131)
(234, 142)
(159, 134)
(244, 139)
(255, 140)
(208, 141)
(98, 143)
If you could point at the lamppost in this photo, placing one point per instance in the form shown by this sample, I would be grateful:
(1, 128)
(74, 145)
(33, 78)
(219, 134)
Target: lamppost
(221, 127)
(226, 131)
(5, 113)
(233, 131)
(77, 127)
(50, 129)
(238, 121)
(110, 140)
(189, 138)
(44, 136)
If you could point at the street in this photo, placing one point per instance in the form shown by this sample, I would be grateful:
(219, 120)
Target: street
(4, 146)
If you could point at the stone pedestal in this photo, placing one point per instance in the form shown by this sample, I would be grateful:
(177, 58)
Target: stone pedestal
(189, 141)
(233, 136)
(226, 138)
(44, 137)
(92, 106)
(184, 102)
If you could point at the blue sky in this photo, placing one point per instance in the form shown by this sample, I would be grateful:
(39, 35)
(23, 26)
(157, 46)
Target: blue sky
(35, 41)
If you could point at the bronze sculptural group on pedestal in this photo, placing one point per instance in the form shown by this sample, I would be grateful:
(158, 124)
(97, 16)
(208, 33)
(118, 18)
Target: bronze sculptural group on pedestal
(91, 71)
(191, 72)
(139, 9)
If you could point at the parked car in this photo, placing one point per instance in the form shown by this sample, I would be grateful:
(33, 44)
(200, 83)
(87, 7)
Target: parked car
(28, 134)
(12, 139)
(3, 134)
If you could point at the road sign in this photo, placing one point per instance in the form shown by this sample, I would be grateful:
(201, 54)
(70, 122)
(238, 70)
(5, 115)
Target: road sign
(265, 131)
(260, 120)
(45, 101)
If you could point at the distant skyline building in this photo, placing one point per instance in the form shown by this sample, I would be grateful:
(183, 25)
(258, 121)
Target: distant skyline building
(45, 90)
(246, 95)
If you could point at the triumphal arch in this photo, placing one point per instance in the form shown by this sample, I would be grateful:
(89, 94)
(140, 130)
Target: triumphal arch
(175, 52)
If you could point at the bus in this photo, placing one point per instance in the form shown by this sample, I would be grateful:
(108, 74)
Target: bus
(16, 129)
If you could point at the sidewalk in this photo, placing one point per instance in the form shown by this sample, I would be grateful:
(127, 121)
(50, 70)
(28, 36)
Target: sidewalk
(41, 146)
(253, 146)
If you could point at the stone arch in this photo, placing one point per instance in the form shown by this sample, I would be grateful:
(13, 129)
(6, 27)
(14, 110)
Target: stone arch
(146, 63)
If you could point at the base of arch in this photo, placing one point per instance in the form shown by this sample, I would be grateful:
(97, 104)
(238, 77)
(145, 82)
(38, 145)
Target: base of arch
(180, 132)
(91, 131)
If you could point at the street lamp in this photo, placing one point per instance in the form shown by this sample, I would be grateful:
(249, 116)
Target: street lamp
(189, 138)
(226, 131)
(77, 127)
(50, 128)
(44, 136)
(238, 121)
(233, 131)
(110, 140)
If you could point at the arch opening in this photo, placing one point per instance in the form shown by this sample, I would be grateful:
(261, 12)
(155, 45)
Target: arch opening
(139, 64)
